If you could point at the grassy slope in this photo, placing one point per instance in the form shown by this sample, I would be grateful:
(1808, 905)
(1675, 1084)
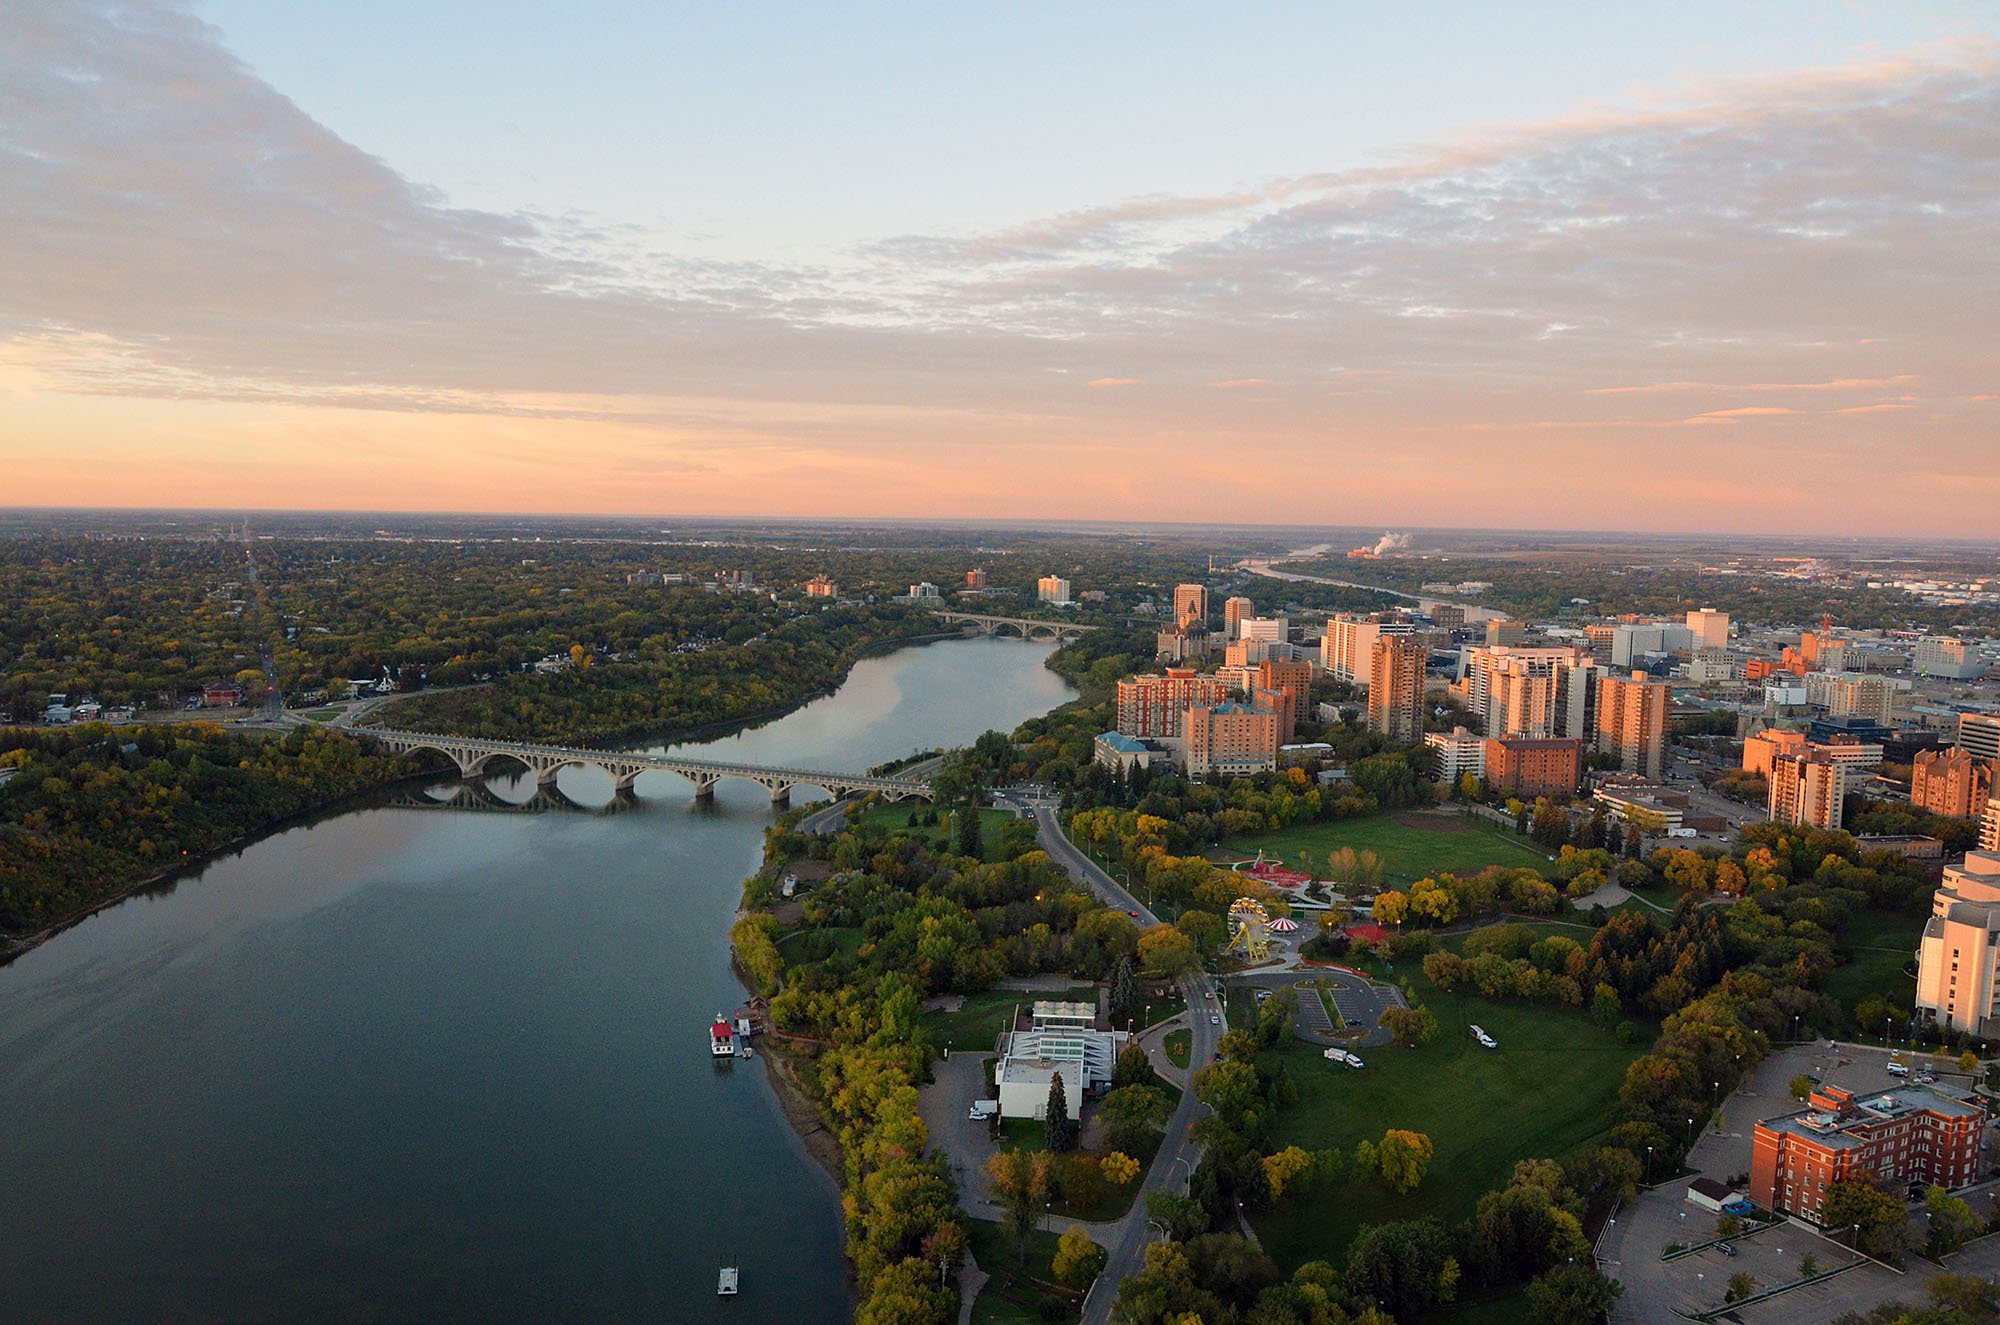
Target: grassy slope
(1012, 1295)
(895, 818)
(1883, 943)
(978, 1024)
(1548, 1089)
(1408, 854)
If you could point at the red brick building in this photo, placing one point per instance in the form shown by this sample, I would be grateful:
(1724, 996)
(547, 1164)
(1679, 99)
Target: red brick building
(1907, 1134)
(1534, 766)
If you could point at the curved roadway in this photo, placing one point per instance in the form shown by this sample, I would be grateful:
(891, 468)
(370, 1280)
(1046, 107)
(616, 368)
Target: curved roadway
(1129, 1238)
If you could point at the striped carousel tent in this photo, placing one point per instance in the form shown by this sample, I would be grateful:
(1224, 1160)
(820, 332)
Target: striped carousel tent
(1284, 925)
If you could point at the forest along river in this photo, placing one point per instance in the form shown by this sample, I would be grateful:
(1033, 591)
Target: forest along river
(415, 1063)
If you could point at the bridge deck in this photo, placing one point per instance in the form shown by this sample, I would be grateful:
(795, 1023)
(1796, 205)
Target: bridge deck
(528, 750)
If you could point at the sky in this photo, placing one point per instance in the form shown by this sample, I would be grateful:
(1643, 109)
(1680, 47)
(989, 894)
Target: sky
(1699, 267)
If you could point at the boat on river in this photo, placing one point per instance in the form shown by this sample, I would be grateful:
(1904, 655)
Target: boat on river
(722, 1038)
(725, 1282)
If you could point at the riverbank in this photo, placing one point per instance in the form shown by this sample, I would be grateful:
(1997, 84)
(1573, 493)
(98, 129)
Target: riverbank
(14, 946)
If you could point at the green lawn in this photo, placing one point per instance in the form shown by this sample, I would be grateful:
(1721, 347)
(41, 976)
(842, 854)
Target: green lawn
(1409, 852)
(1499, 1306)
(1013, 1295)
(978, 1024)
(1878, 946)
(1177, 1045)
(1550, 1087)
(896, 819)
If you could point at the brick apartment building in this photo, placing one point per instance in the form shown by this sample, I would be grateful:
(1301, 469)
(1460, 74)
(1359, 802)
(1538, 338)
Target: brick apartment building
(1907, 1134)
(1530, 767)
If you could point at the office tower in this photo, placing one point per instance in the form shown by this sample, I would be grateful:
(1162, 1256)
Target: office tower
(1709, 627)
(1234, 610)
(1191, 603)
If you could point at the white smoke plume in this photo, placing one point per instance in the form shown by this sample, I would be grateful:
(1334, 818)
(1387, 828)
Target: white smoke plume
(1391, 543)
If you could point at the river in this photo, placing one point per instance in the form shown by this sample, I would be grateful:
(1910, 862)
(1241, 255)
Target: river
(440, 1064)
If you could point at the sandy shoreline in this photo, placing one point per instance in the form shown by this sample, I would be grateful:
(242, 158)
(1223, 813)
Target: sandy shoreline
(781, 1070)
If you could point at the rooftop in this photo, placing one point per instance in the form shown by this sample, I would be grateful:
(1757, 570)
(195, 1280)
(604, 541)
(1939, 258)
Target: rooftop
(1123, 744)
(1831, 1129)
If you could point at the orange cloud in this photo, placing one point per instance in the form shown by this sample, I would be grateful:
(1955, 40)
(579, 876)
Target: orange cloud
(1114, 381)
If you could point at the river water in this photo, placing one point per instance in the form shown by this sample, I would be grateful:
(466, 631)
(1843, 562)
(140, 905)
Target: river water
(442, 1064)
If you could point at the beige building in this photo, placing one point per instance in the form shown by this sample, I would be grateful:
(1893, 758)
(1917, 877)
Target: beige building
(1957, 955)
(1234, 611)
(1845, 693)
(1347, 650)
(1948, 657)
(1989, 826)
(1396, 688)
(1534, 692)
(1052, 589)
(1191, 603)
(1229, 740)
(1807, 789)
(821, 587)
(1632, 722)
(1458, 752)
(1951, 782)
(1709, 627)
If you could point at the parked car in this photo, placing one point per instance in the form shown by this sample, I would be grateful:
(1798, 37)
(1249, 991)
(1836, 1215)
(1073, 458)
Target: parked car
(1486, 1041)
(1899, 1069)
(1725, 1249)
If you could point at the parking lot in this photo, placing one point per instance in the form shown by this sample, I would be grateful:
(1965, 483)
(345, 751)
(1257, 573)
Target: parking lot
(1638, 1235)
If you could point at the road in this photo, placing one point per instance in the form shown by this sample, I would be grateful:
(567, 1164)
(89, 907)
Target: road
(1126, 1241)
(831, 818)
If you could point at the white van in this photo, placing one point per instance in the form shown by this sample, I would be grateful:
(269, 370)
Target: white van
(1899, 1069)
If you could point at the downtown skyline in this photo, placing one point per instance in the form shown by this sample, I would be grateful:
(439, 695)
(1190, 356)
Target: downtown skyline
(1705, 293)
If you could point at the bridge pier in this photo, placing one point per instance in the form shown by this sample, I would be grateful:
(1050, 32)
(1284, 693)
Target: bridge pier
(781, 797)
(704, 788)
(623, 784)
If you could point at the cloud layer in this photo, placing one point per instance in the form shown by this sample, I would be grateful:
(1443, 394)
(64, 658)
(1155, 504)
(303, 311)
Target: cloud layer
(1772, 310)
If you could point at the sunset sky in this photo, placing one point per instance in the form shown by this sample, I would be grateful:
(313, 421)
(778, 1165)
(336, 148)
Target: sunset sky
(1706, 267)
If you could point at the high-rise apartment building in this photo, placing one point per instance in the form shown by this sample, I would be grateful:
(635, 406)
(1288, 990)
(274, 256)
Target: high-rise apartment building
(1807, 789)
(1151, 706)
(1229, 739)
(1537, 692)
(1632, 722)
(1529, 766)
(1396, 688)
(1447, 616)
(1234, 610)
(1953, 782)
(1845, 693)
(976, 578)
(1459, 752)
(1191, 603)
(1958, 958)
(1052, 589)
(1348, 648)
(1290, 684)
(1979, 734)
(821, 587)
(1709, 627)
(1989, 826)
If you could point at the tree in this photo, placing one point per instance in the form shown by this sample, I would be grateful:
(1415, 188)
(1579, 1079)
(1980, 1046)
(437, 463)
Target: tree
(1124, 998)
(1411, 1026)
(1864, 1203)
(1119, 1168)
(1133, 1068)
(1058, 1128)
(1741, 1285)
(969, 837)
(1082, 1182)
(1403, 1265)
(1951, 1222)
(1974, 1298)
(1205, 928)
(1572, 1295)
(1132, 1116)
(1968, 1061)
(1404, 1158)
(1167, 952)
(1183, 1217)
(1801, 1086)
(1287, 1168)
(1020, 1183)
(1077, 1258)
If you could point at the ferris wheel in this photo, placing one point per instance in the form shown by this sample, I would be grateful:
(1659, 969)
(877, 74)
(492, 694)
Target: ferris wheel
(1249, 929)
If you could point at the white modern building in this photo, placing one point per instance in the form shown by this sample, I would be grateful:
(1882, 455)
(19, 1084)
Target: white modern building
(1062, 1040)
(1458, 752)
(1957, 956)
(1052, 589)
(1709, 627)
(1944, 656)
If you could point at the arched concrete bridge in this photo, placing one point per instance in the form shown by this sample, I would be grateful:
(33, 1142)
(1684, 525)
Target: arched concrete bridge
(1029, 628)
(473, 756)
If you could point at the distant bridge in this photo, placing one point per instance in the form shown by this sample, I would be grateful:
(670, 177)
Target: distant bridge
(473, 756)
(1028, 628)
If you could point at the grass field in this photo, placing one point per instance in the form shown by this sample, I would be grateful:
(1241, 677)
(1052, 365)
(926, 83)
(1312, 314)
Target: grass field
(1411, 845)
(1549, 1088)
(1882, 944)
(1177, 1045)
(896, 819)
(976, 1025)
(1012, 1296)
